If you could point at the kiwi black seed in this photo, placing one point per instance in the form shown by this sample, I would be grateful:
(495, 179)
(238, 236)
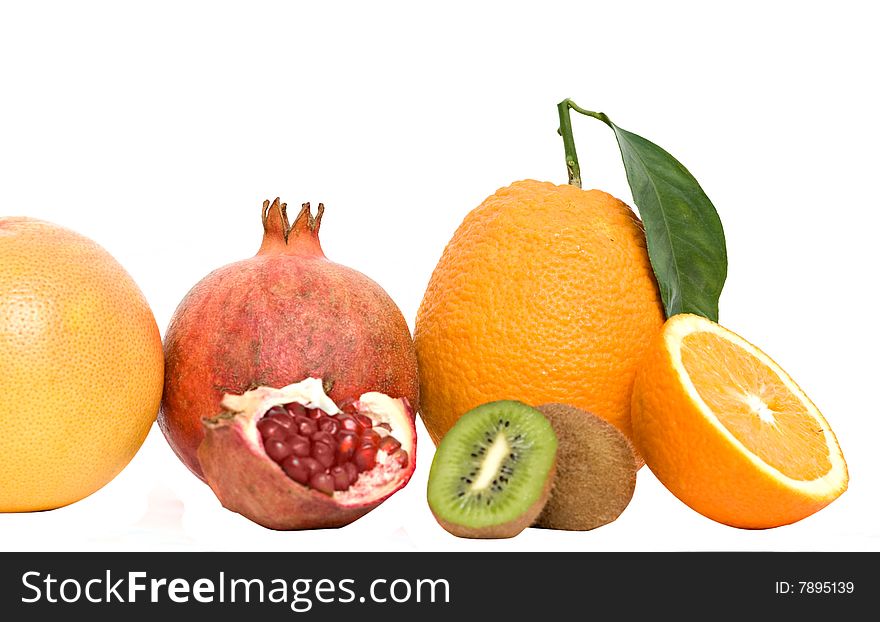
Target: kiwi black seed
(595, 472)
(493, 471)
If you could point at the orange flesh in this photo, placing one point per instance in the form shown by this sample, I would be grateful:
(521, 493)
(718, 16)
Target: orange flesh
(753, 403)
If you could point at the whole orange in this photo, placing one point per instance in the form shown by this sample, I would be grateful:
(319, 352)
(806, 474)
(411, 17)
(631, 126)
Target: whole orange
(80, 366)
(544, 294)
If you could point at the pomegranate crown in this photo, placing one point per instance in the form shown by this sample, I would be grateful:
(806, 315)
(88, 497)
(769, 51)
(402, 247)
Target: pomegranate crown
(299, 238)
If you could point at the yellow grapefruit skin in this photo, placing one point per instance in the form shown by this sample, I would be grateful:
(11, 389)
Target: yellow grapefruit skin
(81, 366)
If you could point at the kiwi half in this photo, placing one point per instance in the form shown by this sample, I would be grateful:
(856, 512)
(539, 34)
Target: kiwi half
(493, 471)
(596, 471)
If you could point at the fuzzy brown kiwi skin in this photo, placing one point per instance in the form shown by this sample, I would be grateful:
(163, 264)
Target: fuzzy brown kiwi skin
(583, 499)
(510, 528)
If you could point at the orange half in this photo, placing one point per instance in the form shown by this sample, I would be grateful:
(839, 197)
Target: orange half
(726, 430)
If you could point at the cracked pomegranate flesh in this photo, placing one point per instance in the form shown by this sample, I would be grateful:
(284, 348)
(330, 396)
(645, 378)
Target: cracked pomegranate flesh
(290, 458)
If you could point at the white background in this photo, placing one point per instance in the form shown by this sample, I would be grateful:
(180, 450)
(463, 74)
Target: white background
(158, 128)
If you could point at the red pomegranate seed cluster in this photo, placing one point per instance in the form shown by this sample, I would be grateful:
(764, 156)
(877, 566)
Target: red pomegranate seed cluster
(321, 451)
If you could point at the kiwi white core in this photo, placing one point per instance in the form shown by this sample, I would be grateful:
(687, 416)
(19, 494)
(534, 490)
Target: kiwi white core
(491, 466)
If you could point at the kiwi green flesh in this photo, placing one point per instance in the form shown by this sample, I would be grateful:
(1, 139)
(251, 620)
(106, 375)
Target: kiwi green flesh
(505, 530)
(595, 472)
(492, 470)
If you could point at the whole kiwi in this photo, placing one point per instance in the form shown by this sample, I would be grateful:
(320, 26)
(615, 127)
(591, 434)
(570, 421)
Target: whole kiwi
(595, 471)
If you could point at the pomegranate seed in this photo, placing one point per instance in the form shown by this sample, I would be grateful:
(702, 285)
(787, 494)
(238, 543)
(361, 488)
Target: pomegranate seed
(383, 425)
(295, 408)
(299, 446)
(340, 478)
(323, 454)
(326, 438)
(276, 410)
(293, 436)
(295, 469)
(329, 425)
(347, 406)
(322, 482)
(389, 445)
(348, 443)
(315, 413)
(283, 419)
(351, 470)
(365, 421)
(306, 426)
(347, 422)
(370, 438)
(269, 429)
(365, 459)
(277, 450)
(343, 433)
(402, 458)
(312, 465)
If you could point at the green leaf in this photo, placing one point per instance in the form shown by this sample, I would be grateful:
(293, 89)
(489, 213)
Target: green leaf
(685, 238)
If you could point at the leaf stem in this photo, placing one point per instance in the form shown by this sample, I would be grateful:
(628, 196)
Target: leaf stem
(571, 158)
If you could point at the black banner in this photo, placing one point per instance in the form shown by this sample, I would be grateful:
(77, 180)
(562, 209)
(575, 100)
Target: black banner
(426, 586)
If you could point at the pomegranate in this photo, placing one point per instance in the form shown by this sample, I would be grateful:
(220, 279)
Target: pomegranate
(290, 458)
(284, 314)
